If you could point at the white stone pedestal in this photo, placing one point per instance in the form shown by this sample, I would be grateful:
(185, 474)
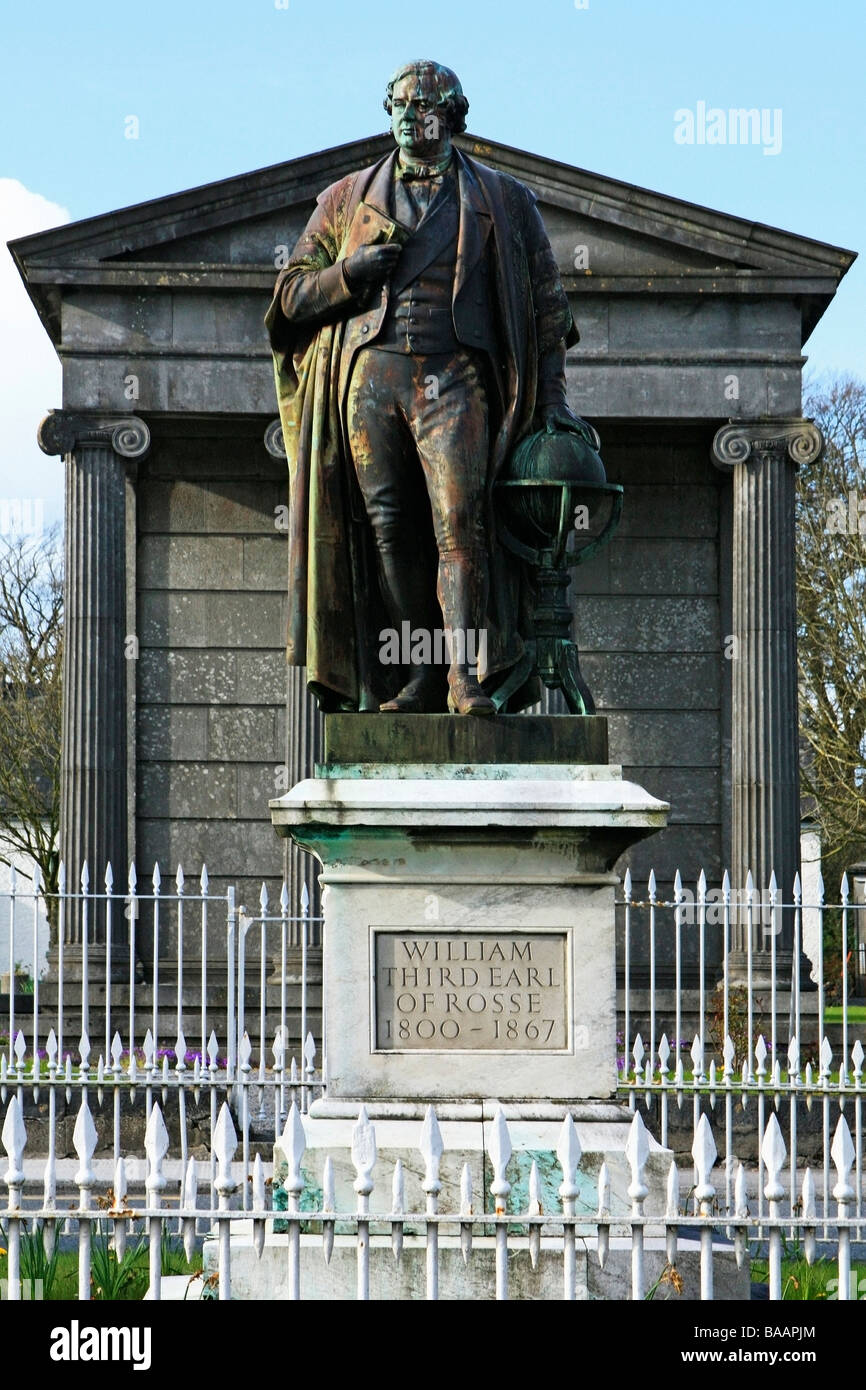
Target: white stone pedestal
(469, 962)
(469, 927)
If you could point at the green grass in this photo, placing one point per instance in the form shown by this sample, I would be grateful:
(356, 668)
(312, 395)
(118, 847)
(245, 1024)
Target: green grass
(856, 1013)
(811, 1283)
(111, 1280)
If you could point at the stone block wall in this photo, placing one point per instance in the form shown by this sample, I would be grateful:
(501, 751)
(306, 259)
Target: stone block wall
(211, 677)
(652, 617)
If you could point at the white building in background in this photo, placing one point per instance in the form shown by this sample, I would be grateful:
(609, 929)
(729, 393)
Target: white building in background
(810, 875)
(22, 913)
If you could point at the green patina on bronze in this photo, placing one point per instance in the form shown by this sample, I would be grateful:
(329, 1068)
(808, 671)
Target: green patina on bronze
(392, 513)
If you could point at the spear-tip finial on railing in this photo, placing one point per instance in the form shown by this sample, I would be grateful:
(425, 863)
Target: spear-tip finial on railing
(773, 1153)
(156, 1148)
(499, 1149)
(843, 1156)
(14, 1136)
(364, 1153)
(293, 1144)
(704, 1154)
(224, 1143)
(568, 1153)
(637, 1153)
(431, 1148)
(84, 1141)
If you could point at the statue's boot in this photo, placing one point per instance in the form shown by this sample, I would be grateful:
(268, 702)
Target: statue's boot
(406, 589)
(462, 593)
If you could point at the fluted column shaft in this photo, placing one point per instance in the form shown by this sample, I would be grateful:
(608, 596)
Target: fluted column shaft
(762, 456)
(93, 816)
(305, 747)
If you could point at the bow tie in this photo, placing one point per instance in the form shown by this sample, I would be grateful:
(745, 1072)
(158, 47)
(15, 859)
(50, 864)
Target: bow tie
(422, 171)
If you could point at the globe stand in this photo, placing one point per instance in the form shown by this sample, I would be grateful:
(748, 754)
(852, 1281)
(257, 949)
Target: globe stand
(551, 653)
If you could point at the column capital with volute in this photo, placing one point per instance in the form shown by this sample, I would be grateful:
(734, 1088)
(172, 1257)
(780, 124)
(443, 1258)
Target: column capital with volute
(63, 431)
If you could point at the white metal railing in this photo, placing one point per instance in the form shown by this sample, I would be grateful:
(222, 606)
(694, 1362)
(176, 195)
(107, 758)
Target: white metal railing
(137, 1056)
(514, 1230)
(789, 1125)
(755, 1064)
(757, 912)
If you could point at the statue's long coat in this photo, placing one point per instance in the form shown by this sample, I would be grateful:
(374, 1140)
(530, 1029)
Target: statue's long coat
(335, 616)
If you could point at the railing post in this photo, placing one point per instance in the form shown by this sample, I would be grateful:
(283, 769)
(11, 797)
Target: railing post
(364, 1156)
(637, 1153)
(499, 1149)
(294, 1143)
(14, 1141)
(225, 1141)
(568, 1152)
(843, 1158)
(84, 1141)
(704, 1154)
(156, 1148)
(231, 928)
(773, 1155)
(431, 1148)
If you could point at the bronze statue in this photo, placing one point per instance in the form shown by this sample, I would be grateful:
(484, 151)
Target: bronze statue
(419, 334)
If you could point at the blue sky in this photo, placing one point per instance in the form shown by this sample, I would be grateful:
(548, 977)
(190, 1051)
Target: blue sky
(224, 86)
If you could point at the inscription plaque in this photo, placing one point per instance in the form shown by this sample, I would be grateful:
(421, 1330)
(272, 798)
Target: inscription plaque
(457, 991)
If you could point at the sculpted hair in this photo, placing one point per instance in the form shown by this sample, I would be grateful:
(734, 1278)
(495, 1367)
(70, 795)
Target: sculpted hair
(451, 99)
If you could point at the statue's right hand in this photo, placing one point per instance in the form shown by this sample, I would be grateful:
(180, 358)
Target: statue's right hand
(370, 265)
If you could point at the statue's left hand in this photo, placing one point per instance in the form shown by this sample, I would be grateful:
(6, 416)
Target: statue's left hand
(562, 417)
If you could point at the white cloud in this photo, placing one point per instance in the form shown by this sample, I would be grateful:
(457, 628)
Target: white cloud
(29, 368)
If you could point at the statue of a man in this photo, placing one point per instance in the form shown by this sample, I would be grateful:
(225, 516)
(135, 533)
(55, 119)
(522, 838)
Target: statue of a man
(419, 333)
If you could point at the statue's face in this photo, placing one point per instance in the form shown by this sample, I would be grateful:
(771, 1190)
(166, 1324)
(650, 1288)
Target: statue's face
(416, 122)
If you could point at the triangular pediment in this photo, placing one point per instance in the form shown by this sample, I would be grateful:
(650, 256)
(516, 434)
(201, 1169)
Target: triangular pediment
(600, 227)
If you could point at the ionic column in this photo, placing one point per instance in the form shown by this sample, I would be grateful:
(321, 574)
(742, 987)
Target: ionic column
(93, 815)
(763, 456)
(305, 747)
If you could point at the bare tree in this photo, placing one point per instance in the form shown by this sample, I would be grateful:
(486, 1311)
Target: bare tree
(31, 628)
(831, 598)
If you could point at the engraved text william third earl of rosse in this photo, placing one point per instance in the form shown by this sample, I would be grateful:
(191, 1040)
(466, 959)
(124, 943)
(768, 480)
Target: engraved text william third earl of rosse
(471, 990)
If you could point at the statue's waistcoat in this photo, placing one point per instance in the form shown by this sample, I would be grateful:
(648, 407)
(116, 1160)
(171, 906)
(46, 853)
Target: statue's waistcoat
(419, 317)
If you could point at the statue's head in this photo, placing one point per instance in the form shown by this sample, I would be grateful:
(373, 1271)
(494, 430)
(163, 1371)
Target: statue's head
(426, 104)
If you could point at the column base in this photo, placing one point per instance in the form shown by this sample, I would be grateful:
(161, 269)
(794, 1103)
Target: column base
(762, 975)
